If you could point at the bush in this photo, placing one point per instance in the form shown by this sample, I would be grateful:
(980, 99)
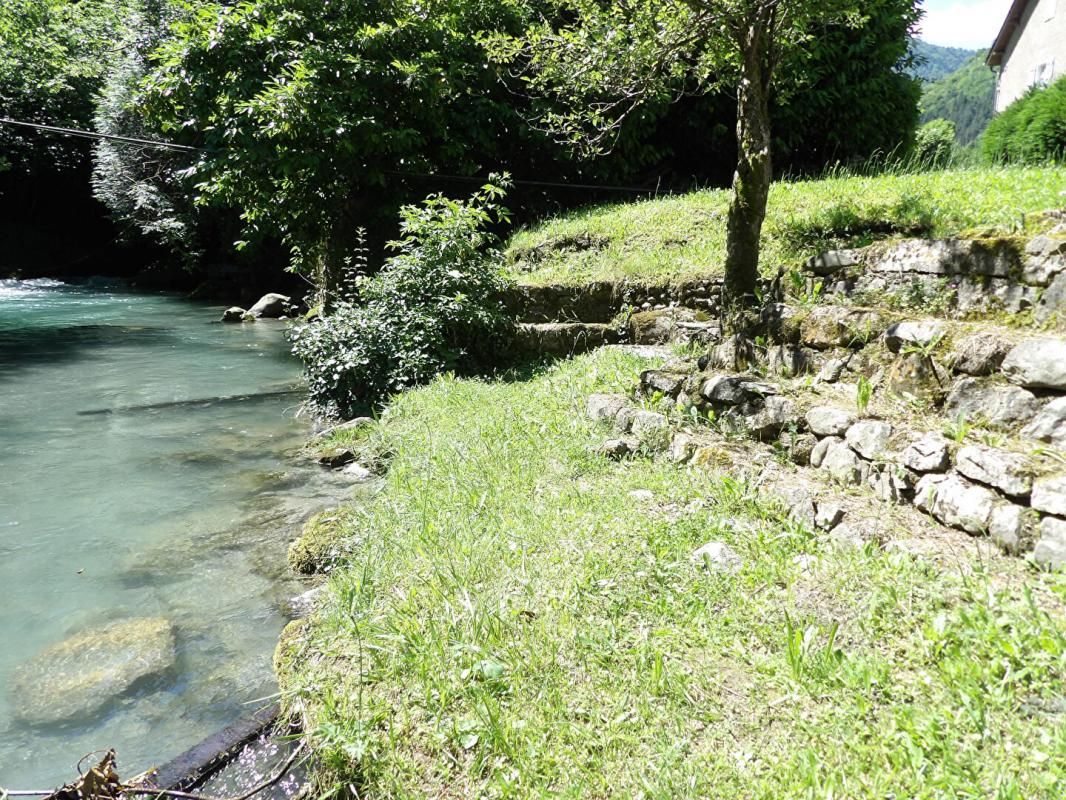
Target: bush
(1032, 130)
(435, 306)
(934, 143)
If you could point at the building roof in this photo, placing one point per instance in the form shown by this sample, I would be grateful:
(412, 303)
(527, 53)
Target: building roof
(1010, 25)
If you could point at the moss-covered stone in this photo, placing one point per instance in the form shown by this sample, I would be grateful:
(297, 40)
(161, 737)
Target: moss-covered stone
(325, 537)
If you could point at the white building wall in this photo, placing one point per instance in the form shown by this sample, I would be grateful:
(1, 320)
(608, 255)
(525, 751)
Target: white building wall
(1037, 51)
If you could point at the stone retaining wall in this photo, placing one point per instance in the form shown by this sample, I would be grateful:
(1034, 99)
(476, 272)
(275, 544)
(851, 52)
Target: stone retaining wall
(962, 275)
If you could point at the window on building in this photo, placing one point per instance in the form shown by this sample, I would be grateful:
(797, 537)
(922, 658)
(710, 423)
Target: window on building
(1043, 74)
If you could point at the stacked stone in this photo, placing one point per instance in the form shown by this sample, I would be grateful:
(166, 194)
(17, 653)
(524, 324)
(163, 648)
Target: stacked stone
(987, 274)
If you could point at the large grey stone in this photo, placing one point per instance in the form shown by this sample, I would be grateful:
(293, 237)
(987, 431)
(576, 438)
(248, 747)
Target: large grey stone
(1052, 300)
(980, 354)
(652, 429)
(270, 306)
(605, 407)
(1037, 364)
(79, 676)
(869, 438)
(839, 326)
(829, 420)
(913, 334)
(926, 453)
(994, 404)
(766, 419)
(890, 483)
(1040, 270)
(956, 502)
(662, 381)
(789, 361)
(233, 314)
(831, 262)
(1050, 550)
(1049, 494)
(832, 370)
(1049, 425)
(843, 465)
(821, 449)
(1009, 527)
(945, 257)
(729, 390)
(1044, 246)
(1011, 473)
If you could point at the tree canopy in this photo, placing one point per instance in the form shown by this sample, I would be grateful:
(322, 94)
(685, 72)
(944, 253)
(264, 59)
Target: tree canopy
(607, 60)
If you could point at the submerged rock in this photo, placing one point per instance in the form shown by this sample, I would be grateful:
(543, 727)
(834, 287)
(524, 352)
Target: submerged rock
(83, 674)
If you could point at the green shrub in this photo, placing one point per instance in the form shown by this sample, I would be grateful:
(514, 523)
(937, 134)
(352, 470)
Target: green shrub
(934, 143)
(1032, 130)
(435, 306)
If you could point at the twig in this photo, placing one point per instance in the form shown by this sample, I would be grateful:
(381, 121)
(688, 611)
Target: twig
(277, 776)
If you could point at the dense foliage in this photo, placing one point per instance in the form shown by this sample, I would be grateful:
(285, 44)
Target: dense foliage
(966, 97)
(1032, 130)
(596, 65)
(933, 62)
(307, 116)
(934, 144)
(54, 55)
(435, 306)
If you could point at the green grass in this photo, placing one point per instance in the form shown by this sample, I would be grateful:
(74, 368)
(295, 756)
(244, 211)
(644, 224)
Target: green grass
(683, 237)
(505, 620)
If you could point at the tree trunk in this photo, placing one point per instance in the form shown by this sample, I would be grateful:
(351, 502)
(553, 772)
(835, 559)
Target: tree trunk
(751, 182)
(338, 247)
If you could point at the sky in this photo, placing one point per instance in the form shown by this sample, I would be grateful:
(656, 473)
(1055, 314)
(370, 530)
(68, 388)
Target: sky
(971, 24)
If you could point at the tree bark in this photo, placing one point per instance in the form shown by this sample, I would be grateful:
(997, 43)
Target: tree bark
(751, 181)
(338, 247)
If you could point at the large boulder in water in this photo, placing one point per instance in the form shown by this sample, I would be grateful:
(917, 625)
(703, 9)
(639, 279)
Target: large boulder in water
(233, 314)
(81, 675)
(270, 306)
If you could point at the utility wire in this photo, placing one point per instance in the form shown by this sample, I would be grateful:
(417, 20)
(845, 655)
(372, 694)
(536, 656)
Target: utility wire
(83, 134)
(80, 134)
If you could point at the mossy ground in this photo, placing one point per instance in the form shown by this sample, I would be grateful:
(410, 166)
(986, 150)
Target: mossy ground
(512, 622)
(683, 237)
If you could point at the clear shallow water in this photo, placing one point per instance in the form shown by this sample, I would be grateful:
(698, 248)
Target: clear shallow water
(182, 512)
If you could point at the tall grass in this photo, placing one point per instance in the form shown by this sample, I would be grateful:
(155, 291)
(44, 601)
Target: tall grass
(510, 620)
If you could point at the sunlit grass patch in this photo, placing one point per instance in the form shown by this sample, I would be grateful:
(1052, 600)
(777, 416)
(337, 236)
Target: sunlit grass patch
(518, 620)
(681, 237)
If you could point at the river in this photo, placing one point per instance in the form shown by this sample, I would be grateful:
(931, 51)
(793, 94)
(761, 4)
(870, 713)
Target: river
(117, 504)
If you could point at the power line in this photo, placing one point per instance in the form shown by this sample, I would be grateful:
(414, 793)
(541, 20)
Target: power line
(546, 184)
(183, 148)
(81, 134)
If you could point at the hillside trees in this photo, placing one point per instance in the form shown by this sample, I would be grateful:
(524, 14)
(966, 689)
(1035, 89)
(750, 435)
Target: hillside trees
(609, 59)
(966, 97)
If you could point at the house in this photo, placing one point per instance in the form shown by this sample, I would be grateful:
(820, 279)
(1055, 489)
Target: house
(1030, 49)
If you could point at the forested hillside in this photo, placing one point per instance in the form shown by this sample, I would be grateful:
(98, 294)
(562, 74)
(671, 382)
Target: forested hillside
(933, 62)
(966, 97)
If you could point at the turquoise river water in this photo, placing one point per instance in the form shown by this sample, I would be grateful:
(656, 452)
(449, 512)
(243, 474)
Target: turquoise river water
(118, 504)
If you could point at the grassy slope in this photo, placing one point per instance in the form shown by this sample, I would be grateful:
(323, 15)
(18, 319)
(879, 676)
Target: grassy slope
(512, 623)
(684, 236)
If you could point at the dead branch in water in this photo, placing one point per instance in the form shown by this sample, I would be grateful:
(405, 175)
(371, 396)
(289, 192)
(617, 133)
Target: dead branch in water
(102, 783)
